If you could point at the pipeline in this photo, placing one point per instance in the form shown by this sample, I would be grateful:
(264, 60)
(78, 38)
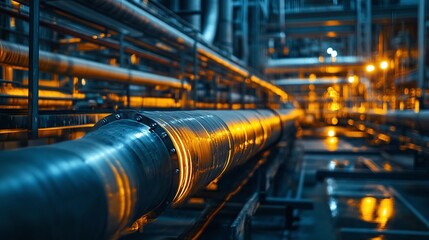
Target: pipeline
(17, 55)
(131, 15)
(407, 119)
(128, 169)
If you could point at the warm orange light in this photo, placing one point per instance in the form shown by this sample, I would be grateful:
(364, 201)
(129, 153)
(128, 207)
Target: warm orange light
(351, 79)
(384, 65)
(370, 68)
(367, 208)
(331, 133)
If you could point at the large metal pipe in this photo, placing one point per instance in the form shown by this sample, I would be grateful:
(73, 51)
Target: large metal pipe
(131, 15)
(17, 55)
(133, 164)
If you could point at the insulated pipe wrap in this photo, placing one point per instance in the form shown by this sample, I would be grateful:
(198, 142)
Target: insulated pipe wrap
(132, 166)
(209, 143)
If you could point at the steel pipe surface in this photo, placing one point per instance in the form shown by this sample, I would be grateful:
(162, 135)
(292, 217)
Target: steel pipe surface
(17, 55)
(130, 168)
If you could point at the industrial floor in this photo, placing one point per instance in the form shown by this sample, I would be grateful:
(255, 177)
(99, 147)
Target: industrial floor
(358, 208)
(343, 208)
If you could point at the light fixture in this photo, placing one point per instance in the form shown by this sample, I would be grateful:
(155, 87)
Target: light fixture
(334, 53)
(370, 68)
(351, 79)
(329, 50)
(384, 65)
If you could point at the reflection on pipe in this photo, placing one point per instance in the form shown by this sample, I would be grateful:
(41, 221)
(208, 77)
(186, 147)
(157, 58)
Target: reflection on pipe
(17, 55)
(130, 168)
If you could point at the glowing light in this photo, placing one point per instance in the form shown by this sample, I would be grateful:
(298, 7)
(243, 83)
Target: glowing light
(334, 53)
(384, 65)
(134, 59)
(329, 50)
(385, 211)
(331, 133)
(331, 143)
(334, 121)
(370, 68)
(312, 76)
(83, 82)
(366, 208)
(351, 79)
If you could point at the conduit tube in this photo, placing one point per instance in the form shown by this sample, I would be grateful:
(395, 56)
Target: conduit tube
(17, 55)
(133, 164)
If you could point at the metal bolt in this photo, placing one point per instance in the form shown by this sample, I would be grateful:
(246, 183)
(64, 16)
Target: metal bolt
(117, 116)
(153, 125)
(138, 118)
(104, 121)
(177, 170)
(173, 150)
(164, 135)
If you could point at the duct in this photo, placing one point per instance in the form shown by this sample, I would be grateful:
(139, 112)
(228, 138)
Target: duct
(132, 164)
(17, 55)
(225, 25)
(131, 15)
(210, 21)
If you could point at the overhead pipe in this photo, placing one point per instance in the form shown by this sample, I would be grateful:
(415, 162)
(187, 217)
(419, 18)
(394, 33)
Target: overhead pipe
(129, 14)
(17, 55)
(127, 170)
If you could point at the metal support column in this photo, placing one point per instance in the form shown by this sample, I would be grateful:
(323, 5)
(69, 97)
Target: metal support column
(122, 63)
(33, 72)
(421, 49)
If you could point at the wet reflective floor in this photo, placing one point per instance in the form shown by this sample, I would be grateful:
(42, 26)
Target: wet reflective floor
(359, 208)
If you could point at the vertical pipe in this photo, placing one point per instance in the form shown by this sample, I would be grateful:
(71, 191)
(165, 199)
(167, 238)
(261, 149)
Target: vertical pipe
(225, 27)
(192, 10)
(33, 73)
(368, 28)
(245, 30)
(421, 49)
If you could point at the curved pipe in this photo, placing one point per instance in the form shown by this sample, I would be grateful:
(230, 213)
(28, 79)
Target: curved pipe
(210, 21)
(17, 55)
(133, 164)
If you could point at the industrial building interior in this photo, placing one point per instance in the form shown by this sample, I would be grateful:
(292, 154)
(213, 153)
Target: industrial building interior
(214, 119)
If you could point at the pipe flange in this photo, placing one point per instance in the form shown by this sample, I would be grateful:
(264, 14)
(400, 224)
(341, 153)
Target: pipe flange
(163, 135)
